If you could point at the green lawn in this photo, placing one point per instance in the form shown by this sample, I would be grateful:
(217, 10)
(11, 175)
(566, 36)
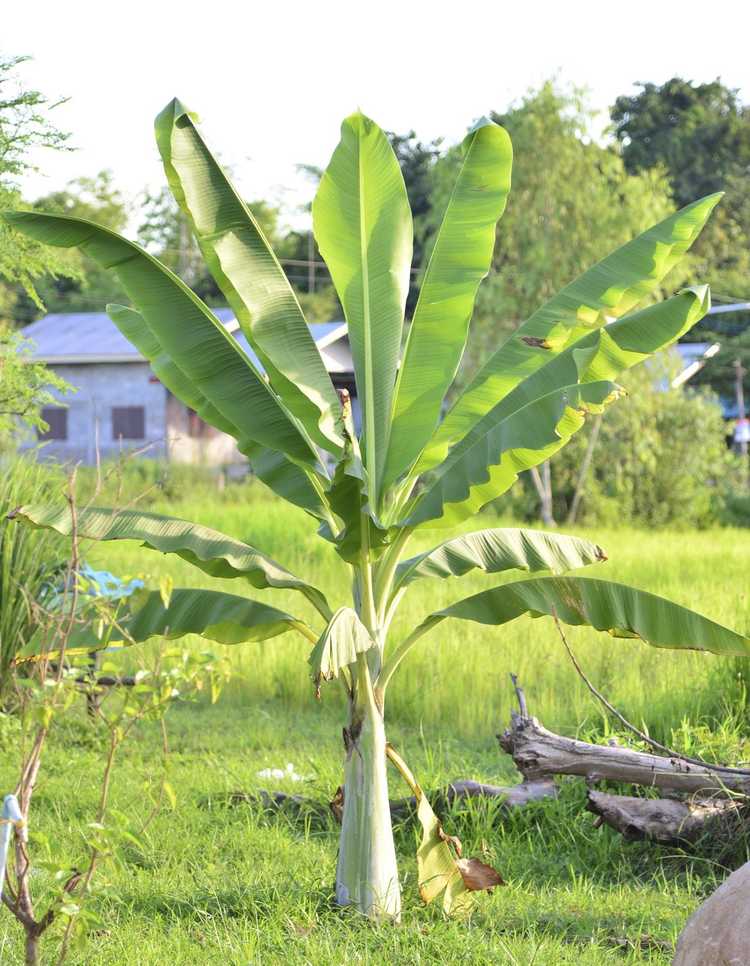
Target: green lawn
(210, 883)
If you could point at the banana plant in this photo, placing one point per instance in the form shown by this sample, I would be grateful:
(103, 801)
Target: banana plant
(412, 467)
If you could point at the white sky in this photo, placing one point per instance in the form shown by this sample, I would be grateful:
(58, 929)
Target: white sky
(271, 81)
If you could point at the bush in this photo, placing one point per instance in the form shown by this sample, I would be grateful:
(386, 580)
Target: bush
(661, 458)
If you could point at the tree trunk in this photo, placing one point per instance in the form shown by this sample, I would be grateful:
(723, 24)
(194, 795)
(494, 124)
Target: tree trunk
(366, 873)
(32, 948)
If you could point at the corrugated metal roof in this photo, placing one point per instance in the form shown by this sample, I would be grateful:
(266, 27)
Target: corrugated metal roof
(93, 337)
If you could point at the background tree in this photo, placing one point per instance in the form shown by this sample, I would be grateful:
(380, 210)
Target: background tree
(89, 288)
(24, 125)
(700, 134)
(660, 459)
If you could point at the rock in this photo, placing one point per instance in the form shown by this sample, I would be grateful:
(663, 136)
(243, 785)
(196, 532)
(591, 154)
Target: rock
(718, 932)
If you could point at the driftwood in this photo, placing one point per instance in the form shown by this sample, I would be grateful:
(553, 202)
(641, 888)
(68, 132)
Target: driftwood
(540, 754)
(667, 821)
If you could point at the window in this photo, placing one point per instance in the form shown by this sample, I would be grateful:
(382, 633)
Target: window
(57, 421)
(128, 422)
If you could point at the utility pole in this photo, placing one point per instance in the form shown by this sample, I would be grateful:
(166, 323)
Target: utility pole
(310, 263)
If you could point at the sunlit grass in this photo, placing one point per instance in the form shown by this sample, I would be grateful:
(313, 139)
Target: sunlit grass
(456, 679)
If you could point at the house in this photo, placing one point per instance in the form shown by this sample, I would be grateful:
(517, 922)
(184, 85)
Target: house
(121, 405)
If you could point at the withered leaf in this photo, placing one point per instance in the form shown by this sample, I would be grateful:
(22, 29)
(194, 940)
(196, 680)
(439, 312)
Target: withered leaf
(535, 342)
(477, 875)
(336, 804)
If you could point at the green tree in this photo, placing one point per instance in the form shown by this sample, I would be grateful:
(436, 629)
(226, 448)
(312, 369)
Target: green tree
(25, 388)
(91, 286)
(700, 134)
(24, 125)
(662, 459)
(407, 471)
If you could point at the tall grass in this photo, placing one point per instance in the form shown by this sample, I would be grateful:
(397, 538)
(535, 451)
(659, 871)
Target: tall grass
(27, 557)
(457, 678)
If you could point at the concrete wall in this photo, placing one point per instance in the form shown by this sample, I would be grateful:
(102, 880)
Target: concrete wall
(102, 386)
(209, 447)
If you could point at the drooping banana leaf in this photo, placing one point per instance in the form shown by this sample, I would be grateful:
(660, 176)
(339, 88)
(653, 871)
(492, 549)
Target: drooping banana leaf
(602, 354)
(210, 614)
(460, 259)
(338, 646)
(302, 486)
(498, 550)
(250, 276)
(362, 223)
(607, 606)
(607, 352)
(212, 552)
(461, 486)
(613, 287)
(186, 328)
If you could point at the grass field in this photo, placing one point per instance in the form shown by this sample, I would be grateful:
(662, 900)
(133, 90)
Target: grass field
(210, 883)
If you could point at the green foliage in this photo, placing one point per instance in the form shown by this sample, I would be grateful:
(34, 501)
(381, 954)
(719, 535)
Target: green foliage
(699, 134)
(24, 124)
(25, 387)
(660, 459)
(29, 559)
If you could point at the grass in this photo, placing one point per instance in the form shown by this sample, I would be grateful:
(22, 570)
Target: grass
(209, 883)
(457, 677)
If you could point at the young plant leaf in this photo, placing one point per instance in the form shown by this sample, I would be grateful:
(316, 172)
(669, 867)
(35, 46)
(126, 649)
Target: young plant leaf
(199, 345)
(459, 261)
(602, 604)
(210, 614)
(479, 473)
(498, 550)
(608, 290)
(338, 646)
(250, 276)
(212, 552)
(363, 227)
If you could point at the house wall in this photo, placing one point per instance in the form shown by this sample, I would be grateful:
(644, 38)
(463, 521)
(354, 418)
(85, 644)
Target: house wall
(101, 386)
(207, 447)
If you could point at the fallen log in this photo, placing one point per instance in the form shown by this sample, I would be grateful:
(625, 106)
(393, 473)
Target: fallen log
(667, 821)
(540, 754)
(511, 796)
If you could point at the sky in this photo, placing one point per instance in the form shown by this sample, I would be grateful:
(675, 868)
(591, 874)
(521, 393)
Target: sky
(271, 81)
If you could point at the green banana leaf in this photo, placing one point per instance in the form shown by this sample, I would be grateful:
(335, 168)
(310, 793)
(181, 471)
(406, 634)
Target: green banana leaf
(249, 275)
(490, 465)
(210, 614)
(362, 223)
(338, 646)
(212, 552)
(303, 487)
(460, 259)
(186, 328)
(601, 355)
(611, 288)
(581, 601)
(498, 550)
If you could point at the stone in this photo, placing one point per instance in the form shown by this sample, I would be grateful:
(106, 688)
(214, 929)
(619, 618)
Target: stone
(718, 932)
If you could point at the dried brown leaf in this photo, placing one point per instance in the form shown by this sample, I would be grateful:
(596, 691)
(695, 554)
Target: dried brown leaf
(477, 875)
